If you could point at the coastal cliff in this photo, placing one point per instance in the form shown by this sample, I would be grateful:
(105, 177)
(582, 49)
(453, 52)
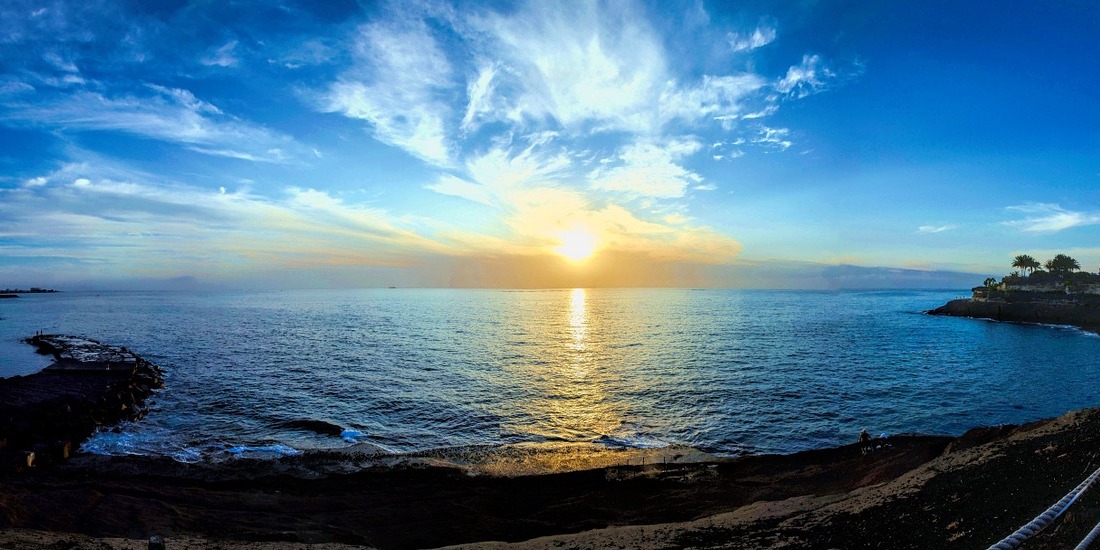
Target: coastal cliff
(1081, 309)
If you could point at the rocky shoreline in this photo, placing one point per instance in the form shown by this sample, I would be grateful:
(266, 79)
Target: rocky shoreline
(1021, 306)
(916, 492)
(46, 415)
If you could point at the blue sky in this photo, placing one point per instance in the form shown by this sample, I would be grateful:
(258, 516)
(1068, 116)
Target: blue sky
(465, 144)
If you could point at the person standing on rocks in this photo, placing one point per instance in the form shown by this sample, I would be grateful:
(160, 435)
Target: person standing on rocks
(865, 445)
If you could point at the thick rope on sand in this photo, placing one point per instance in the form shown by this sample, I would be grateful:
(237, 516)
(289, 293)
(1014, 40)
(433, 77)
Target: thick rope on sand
(1046, 518)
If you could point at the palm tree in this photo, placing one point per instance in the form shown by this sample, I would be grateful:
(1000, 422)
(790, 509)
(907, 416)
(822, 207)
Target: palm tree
(1023, 261)
(1062, 264)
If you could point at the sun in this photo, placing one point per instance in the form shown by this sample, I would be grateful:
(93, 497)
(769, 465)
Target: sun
(577, 245)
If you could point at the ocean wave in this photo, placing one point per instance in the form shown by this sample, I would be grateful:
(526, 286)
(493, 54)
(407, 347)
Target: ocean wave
(127, 442)
(323, 427)
(352, 436)
(263, 451)
(634, 440)
(187, 455)
(113, 443)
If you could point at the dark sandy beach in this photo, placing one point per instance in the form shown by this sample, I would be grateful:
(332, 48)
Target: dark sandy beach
(920, 492)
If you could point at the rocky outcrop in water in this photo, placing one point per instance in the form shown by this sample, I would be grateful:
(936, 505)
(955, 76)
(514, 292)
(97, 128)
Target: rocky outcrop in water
(44, 416)
(1020, 306)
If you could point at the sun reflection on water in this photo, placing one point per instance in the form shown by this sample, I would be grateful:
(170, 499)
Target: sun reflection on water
(578, 319)
(570, 398)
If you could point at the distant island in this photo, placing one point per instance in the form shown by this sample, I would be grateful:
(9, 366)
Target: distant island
(15, 292)
(1061, 295)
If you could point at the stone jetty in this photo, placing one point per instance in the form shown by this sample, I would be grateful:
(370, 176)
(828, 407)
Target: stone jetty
(46, 415)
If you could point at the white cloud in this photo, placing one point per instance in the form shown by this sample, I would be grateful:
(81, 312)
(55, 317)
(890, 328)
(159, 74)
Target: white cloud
(60, 63)
(14, 87)
(137, 222)
(768, 110)
(480, 97)
(772, 138)
(592, 67)
(581, 65)
(806, 78)
(761, 36)
(171, 114)
(222, 56)
(650, 169)
(718, 97)
(536, 208)
(936, 228)
(452, 185)
(583, 69)
(315, 51)
(497, 175)
(398, 85)
(1047, 217)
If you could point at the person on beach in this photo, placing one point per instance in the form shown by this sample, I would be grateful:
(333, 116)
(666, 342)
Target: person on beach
(865, 445)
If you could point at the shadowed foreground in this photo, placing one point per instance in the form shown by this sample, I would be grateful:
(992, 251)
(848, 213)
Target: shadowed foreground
(921, 492)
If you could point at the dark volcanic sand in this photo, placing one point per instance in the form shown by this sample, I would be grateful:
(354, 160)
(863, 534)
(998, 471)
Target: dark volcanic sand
(923, 492)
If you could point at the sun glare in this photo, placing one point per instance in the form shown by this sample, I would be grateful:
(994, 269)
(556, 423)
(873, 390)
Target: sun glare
(577, 245)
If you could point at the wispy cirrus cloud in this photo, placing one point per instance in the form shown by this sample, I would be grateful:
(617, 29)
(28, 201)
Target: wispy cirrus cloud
(759, 37)
(650, 169)
(716, 98)
(398, 84)
(600, 68)
(482, 101)
(936, 228)
(522, 186)
(118, 217)
(223, 56)
(808, 77)
(588, 67)
(1048, 217)
(496, 175)
(587, 70)
(167, 114)
(772, 138)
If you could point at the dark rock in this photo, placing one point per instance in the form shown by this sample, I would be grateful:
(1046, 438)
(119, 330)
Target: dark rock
(1028, 307)
(16, 460)
(89, 384)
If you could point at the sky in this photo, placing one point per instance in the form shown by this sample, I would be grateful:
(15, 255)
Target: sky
(814, 144)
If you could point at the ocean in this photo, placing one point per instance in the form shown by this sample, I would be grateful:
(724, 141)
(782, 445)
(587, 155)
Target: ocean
(728, 372)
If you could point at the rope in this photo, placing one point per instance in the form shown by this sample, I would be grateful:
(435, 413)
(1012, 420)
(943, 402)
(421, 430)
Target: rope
(1039, 523)
(1088, 538)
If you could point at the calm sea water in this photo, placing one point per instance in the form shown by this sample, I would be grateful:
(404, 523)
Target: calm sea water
(725, 371)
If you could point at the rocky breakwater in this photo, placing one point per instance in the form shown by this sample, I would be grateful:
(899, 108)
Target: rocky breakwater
(1025, 306)
(44, 416)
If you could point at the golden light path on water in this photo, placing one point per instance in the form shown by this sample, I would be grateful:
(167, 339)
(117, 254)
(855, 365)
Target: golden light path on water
(573, 395)
(572, 399)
